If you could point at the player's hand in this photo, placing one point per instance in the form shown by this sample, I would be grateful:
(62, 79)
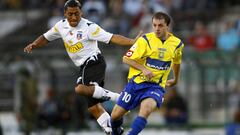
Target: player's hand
(140, 33)
(28, 48)
(147, 73)
(171, 82)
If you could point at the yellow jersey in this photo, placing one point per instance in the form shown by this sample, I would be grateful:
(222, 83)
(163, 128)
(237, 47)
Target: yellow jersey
(156, 55)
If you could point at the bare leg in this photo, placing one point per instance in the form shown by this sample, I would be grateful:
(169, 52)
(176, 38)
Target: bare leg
(117, 120)
(96, 110)
(117, 112)
(102, 117)
(148, 105)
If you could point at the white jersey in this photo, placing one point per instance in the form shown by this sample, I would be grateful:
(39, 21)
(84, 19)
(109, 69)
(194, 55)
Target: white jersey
(81, 41)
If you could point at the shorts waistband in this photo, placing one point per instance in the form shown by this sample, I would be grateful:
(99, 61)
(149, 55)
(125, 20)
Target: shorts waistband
(94, 57)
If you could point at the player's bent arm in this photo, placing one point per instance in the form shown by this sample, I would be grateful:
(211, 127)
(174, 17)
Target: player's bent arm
(138, 66)
(176, 71)
(39, 42)
(121, 40)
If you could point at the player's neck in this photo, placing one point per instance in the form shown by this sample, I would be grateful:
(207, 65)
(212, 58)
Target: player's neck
(165, 37)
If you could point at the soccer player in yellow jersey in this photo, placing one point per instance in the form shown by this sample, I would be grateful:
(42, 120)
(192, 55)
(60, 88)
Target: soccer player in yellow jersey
(150, 59)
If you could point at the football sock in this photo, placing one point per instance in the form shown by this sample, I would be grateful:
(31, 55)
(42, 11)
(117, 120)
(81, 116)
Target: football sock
(101, 93)
(104, 122)
(116, 126)
(137, 126)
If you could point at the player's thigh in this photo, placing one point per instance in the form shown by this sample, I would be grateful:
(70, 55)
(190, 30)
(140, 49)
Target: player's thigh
(92, 101)
(95, 73)
(117, 112)
(96, 110)
(147, 106)
(92, 71)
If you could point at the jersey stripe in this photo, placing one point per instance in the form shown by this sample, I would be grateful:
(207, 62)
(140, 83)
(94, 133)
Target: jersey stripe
(179, 45)
(145, 37)
(158, 64)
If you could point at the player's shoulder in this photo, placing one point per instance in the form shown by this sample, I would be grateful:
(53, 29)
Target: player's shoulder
(61, 24)
(175, 38)
(177, 42)
(149, 35)
(146, 37)
(90, 26)
(88, 23)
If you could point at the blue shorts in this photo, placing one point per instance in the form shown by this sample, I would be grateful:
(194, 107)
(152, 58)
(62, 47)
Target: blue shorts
(134, 93)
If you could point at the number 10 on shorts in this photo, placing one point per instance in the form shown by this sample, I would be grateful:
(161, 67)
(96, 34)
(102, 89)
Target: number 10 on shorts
(126, 97)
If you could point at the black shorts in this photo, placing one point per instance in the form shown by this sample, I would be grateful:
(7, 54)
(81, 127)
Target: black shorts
(92, 70)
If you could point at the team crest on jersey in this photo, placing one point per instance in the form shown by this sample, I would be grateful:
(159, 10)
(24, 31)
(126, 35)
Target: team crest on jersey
(79, 35)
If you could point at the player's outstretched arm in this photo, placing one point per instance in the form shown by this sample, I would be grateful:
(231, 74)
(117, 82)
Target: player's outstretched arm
(121, 40)
(124, 41)
(39, 42)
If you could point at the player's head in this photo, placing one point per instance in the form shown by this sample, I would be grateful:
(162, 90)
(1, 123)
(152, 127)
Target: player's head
(72, 11)
(160, 24)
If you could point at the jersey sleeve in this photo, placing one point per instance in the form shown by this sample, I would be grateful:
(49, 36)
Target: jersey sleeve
(53, 33)
(178, 54)
(138, 50)
(99, 34)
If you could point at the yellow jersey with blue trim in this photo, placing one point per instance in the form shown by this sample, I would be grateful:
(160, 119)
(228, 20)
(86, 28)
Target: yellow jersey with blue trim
(81, 42)
(156, 55)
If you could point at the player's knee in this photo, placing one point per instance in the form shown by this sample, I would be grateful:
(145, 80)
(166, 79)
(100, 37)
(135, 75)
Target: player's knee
(146, 109)
(117, 113)
(96, 110)
(145, 112)
(115, 116)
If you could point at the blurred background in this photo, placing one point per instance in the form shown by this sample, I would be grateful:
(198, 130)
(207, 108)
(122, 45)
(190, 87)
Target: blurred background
(37, 90)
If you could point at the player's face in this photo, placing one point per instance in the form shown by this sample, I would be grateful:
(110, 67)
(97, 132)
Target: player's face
(73, 15)
(160, 27)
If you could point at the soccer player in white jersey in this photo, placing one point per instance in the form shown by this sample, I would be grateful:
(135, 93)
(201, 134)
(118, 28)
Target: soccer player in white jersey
(80, 37)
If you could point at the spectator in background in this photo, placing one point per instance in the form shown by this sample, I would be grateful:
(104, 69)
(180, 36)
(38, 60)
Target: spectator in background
(56, 16)
(13, 4)
(117, 22)
(238, 25)
(228, 43)
(75, 112)
(57, 11)
(228, 40)
(135, 12)
(50, 111)
(27, 115)
(234, 128)
(94, 10)
(201, 40)
(144, 23)
(160, 5)
(175, 108)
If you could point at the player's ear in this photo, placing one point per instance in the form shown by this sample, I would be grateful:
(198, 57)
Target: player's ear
(81, 13)
(168, 27)
(65, 12)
